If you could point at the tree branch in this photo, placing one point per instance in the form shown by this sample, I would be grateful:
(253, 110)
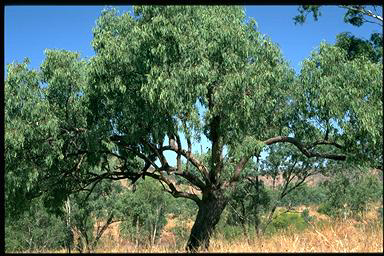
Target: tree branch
(303, 149)
(365, 12)
(241, 164)
(173, 191)
(191, 158)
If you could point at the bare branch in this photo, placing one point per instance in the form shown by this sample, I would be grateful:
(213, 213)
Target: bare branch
(194, 180)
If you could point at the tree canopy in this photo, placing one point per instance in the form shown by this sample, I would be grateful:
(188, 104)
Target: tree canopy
(356, 15)
(170, 74)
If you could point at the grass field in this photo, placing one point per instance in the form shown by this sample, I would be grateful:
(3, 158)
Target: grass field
(326, 235)
(346, 236)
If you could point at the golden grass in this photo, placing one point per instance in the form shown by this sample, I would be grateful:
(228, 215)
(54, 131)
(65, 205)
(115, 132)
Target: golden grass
(325, 235)
(335, 236)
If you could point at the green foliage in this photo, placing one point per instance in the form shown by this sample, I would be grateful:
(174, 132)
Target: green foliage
(356, 15)
(185, 209)
(288, 220)
(34, 230)
(247, 203)
(144, 212)
(230, 232)
(354, 122)
(357, 47)
(304, 195)
(102, 205)
(307, 218)
(350, 193)
(76, 122)
(304, 10)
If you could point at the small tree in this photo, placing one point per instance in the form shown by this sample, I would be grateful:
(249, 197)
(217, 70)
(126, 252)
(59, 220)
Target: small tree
(294, 169)
(34, 230)
(249, 200)
(93, 212)
(144, 213)
(350, 192)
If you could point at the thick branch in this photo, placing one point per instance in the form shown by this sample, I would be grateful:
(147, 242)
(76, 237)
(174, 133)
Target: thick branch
(241, 164)
(176, 147)
(188, 176)
(191, 158)
(217, 149)
(326, 142)
(118, 140)
(238, 168)
(173, 191)
(303, 149)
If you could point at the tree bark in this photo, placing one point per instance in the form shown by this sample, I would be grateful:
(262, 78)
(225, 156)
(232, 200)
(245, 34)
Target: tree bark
(210, 209)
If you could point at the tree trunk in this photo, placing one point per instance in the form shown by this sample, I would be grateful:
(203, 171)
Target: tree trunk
(257, 220)
(137, 232)
(210, 210)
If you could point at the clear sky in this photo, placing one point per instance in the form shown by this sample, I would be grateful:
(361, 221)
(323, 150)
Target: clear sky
(29, 30)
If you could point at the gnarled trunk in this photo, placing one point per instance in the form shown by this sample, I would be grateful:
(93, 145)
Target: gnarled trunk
(210, 210)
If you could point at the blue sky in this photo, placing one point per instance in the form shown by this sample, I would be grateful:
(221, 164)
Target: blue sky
(29, 30)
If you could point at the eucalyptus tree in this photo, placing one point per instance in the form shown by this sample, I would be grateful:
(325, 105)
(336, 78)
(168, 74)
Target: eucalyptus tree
(173, 74)
(356, 15)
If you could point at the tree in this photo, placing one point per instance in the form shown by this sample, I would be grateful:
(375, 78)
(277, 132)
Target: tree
(36, 229)
(77, 122)
(350, 191)
(144, 213)
(371, 49)
(356, 15)
(249, 200)
(99, 209)
(295, 170)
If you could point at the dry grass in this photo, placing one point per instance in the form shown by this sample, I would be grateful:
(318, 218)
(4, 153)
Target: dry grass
(336, 236)
(324, 236)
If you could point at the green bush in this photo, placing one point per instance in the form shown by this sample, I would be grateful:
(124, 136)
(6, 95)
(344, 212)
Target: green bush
(231, 232)
(304, 195)
(144, 212)
(307, 218)
(285, 221)
(34, 230)
(350, 195)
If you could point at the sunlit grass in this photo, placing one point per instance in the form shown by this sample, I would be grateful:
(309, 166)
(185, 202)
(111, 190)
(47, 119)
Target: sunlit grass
(334, 236)
(325, 235)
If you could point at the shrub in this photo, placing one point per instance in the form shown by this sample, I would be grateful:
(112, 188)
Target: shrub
(307, 218)
(380, 214)
(304, 195)
(34, 230)
(285, 221)
(144, 212)
(181, 232)
(350, 195)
